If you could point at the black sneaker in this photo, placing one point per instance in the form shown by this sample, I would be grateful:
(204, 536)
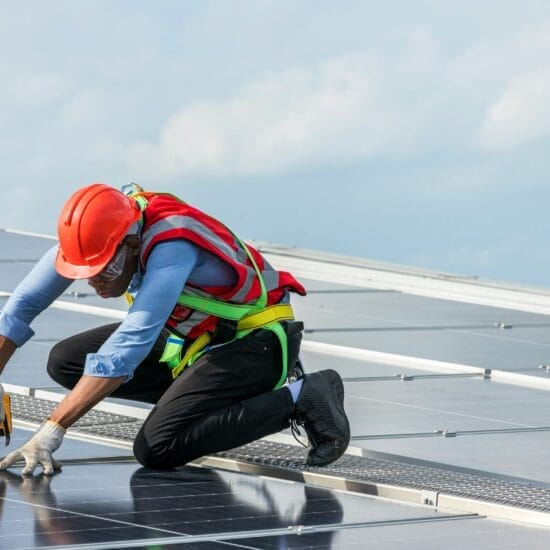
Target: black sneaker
(320, 410)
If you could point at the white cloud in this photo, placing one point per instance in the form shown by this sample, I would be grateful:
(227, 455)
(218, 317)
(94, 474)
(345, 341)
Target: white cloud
(417, 100)
(270, 125)
(347, 108)
(415, 108)
(27, 90)
(85, 109)
(520, 114)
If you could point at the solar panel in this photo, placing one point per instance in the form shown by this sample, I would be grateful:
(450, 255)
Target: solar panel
(404, 409)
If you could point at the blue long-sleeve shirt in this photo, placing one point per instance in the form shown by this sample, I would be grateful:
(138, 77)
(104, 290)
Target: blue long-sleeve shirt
(169, 266)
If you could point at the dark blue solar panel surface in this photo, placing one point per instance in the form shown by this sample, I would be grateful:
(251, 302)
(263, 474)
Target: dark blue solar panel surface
(111, 505)
(108, 503)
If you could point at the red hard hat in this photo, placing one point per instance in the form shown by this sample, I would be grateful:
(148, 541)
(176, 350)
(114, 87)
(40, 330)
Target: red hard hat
(91, 225)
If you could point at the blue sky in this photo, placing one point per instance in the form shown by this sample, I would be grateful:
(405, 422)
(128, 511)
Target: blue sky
(409, 132)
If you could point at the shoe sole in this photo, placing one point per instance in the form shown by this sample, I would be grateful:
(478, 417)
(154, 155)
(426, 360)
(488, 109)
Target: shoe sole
(335, 384)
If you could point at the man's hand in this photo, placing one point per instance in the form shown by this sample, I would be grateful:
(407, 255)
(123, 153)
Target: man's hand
(38, 450)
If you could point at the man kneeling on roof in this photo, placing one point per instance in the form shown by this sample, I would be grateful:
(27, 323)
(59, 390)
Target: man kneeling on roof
(209, 337)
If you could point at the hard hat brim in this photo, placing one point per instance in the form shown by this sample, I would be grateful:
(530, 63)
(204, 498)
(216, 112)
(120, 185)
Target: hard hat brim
(70, 271)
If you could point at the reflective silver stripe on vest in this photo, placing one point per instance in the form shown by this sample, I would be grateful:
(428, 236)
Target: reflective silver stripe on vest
(242, 292)
(271, 281)
(187, 222)
(185, 327)
(270, 276)
(242, 256)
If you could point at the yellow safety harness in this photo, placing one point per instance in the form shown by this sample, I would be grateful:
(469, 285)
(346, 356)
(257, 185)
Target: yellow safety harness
(248, 317)
(269, 318)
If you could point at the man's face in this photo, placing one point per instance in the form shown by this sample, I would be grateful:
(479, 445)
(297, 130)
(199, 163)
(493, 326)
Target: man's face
(117, 274)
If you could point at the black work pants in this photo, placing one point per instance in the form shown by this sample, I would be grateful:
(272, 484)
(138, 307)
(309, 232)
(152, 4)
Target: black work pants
(222, 401)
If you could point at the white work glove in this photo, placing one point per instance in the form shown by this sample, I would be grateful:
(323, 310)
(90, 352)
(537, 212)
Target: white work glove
(38, 450)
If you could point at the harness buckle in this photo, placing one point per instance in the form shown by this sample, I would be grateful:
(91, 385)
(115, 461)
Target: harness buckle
(226, 330)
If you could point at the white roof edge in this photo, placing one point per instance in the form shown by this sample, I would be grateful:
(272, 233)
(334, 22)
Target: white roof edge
(355, 261)
(363, 273)
(29, 233)
(276, 250)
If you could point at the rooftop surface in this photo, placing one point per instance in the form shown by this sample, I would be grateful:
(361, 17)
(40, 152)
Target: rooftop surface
(447, 391)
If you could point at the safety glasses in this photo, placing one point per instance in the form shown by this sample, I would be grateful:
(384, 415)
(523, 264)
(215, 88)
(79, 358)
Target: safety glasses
(115, 267)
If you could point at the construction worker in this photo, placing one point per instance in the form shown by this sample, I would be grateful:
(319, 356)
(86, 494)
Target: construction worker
(209, 337)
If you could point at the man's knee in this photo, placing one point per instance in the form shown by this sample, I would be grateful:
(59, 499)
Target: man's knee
(158, 456)
(56, 364)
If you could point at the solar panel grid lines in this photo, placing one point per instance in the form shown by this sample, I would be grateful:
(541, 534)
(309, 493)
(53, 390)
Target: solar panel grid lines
(196, 503)
(400, 355)
(387, 472)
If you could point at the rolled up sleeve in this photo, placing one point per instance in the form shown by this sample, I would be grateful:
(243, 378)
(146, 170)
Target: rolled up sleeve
(168, 268)
(108, 365)
(13, 328)
(32, 296)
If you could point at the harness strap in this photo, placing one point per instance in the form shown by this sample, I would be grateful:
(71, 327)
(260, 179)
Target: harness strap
(271, 314)
(225, 310)
(249, 317)
(269, 318)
